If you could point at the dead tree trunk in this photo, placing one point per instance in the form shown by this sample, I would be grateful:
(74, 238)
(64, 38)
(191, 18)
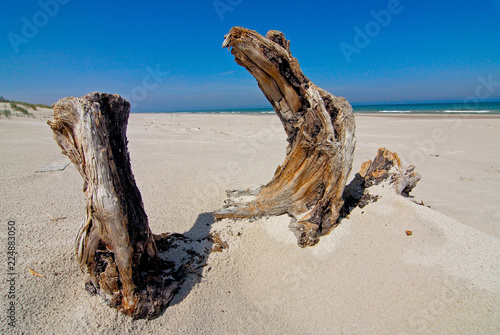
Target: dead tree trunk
(114, 243)
(320, 128)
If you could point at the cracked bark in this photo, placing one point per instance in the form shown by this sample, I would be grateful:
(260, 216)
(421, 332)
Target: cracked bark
(114, 244)
(385, 167)
(320, 129)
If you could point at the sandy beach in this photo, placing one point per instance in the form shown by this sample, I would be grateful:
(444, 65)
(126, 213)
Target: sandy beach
(366, 277)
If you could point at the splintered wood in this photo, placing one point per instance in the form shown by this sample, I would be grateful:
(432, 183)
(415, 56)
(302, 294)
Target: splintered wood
(385, 167)
(320, 128)
(114, 244)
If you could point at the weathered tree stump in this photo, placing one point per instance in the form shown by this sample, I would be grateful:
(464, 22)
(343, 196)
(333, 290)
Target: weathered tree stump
(320, 128)
(114, 244)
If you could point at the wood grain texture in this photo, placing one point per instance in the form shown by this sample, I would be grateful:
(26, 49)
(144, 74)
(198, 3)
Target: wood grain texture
(320, 129)
(386, 167)
(114, 244)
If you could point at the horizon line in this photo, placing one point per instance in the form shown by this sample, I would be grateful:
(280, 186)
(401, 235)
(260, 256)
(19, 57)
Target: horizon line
(362, 104)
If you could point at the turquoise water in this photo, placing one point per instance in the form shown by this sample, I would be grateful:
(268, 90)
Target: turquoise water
(432, 108)
(413, 108)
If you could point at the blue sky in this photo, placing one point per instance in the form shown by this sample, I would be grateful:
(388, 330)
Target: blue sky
(167, 55)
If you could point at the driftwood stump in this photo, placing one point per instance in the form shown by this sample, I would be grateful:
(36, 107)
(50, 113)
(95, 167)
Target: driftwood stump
(114, 244)
(386, 167)
(320, 128)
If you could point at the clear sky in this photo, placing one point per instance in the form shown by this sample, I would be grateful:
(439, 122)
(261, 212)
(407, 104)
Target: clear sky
(167, 55)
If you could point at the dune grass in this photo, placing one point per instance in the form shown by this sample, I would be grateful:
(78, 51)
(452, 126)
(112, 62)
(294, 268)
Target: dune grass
(43, 106)
(6, 112)
(24, 112)
(24, 104)
(20, 108)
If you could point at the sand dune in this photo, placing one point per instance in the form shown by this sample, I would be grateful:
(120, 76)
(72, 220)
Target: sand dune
(366, 277)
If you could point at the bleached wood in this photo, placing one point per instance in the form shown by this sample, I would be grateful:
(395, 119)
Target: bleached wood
(320, 129)
(114, 244)
(386, 167)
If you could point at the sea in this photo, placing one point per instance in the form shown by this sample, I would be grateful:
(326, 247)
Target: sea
(407, 108)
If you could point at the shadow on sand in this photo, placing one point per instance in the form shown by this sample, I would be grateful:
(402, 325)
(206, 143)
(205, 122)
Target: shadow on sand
(186, 254)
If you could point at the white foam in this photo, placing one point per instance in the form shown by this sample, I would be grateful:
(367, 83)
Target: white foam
(467, 111)
(394, 111)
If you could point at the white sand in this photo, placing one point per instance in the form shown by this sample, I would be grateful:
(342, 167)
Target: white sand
(366, 277)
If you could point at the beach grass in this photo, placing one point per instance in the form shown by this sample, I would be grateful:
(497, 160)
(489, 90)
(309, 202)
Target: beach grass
(6, 112)
(18, 104)
(43, 106)
(24, 104)
(15, 107)
(19, 108)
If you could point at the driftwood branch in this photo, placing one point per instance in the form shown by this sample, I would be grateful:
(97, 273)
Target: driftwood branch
(386, 167)
(114, 244)
(320, 129)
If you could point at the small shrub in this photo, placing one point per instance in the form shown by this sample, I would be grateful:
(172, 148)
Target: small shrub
(6, 112)
(25, 104)
(17, 108)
